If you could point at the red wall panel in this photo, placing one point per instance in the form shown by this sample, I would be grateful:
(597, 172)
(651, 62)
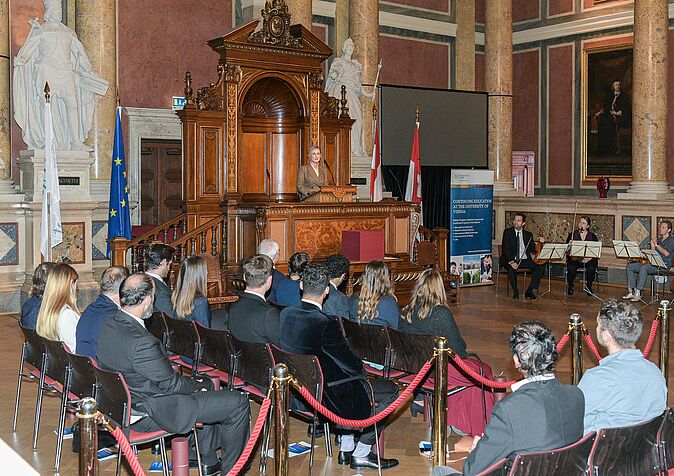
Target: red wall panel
(161, 39)
(526, 94)
(558, 7)
(560, 115)
(414, 63)
(525, 10)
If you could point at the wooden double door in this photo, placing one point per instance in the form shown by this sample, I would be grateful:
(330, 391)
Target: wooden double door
(161, 181)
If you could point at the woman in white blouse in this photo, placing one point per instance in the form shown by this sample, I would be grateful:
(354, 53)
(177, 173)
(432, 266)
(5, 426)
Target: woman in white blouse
(58, 315)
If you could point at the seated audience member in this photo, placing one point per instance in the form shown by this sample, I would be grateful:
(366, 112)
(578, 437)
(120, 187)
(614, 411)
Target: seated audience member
(162, 397)
(540, 414)
(252, 318)
(270, 248)
(158, 261)
(31, 307)
(337, 303)
(375, 303)
(105, 305)
(189, 297)
(428, 314)
(58, 316)
(288, 291)
(625, 388)
(306, 330)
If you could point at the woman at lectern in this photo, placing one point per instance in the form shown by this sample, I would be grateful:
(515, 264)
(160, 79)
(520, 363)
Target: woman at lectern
(582, 233)
(312, 176)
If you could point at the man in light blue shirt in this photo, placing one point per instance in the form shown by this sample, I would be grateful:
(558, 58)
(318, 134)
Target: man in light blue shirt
(625, 388)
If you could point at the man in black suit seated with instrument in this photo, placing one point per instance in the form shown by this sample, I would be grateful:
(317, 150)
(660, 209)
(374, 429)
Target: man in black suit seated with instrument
(306, 330)
(163, 399)
(517, 247)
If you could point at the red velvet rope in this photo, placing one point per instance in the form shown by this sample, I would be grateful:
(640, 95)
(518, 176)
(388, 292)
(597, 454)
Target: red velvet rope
(483, 380)
(562, 342)
(651, 337)
(125, 447)
(593, 348)
(306, 394)
(255, 434)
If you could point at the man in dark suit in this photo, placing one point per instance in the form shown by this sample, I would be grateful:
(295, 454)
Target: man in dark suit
(306, 330)
(270, 248)
(252, 318)
(158, 261)
(336, 303)
(105, 305)
(163, 398)
(516, 248)
(540, 414)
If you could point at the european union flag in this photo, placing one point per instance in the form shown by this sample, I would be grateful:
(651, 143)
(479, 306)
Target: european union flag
(119, 217)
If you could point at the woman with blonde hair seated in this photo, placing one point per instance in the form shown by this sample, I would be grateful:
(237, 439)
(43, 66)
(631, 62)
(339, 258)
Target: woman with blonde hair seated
(428, 314)
(375, 303)
(189, 296)
(58, 316)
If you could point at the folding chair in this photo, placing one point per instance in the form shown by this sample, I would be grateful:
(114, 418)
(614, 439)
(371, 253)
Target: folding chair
(33, 354)
(571, 460)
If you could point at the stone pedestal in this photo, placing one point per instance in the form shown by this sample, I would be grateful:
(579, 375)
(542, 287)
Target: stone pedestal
(361, 166)
(73, 167)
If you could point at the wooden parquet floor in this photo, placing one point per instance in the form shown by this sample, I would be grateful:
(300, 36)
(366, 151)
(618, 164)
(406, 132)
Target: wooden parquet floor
(484, 317)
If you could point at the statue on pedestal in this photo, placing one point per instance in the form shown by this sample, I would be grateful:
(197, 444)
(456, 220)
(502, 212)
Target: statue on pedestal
(346, 71)
(53, 54)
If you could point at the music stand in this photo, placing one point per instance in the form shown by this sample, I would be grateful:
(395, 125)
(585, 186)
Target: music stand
(626, 249)
(583, 250)
(655, 260)
(551, 252)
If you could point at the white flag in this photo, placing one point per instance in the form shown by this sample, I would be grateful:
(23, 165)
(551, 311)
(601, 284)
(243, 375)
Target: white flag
(51, 212)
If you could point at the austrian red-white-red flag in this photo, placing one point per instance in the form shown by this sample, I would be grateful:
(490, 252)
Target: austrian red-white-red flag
(376, 189)
(413, 190)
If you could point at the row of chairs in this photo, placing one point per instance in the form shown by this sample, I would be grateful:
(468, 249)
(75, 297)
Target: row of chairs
(643, 449)
(75, 377)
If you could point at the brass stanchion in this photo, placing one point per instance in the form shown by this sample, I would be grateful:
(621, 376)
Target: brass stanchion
(86, 415)
(576, 328)
(281, 380)
(440, 403)
(663, 313)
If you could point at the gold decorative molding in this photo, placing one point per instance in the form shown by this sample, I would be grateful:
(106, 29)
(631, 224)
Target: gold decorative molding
(315, 117)
(232, 107)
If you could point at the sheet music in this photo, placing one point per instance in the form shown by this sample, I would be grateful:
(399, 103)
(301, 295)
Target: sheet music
(585, 249)
(553, 251)
(626, 249)
(654, 258)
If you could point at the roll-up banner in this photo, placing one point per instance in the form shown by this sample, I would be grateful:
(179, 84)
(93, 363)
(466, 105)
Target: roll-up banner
(472, 196)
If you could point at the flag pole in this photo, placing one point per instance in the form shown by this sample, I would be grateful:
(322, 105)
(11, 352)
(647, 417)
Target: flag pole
(47, 98)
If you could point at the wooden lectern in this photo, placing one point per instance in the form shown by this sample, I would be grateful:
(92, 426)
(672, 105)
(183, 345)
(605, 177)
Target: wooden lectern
(333, 193)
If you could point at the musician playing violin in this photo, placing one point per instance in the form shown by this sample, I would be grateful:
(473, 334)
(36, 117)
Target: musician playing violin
(573, 264)
(637, 272)
(517, 247)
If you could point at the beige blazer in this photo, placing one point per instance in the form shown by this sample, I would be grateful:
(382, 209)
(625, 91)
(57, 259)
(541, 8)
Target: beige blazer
(308, 182)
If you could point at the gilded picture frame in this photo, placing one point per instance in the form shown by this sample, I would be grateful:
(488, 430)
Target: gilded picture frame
(606, 112)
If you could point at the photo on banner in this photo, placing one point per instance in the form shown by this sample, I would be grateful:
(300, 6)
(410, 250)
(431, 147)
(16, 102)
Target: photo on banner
(472, 197)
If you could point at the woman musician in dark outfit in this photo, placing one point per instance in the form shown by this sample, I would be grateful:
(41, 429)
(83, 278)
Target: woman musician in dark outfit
(583, 233)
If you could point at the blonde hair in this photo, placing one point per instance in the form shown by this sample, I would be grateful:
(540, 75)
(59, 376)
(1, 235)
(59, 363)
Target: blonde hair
(58, 293)
(376, 284)
(191, 282)
(429, 291)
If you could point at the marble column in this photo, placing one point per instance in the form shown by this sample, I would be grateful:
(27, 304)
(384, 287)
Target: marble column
(95, 25)
(649, 113)
(364, 31)
(341, 24)
(465, 45)
(498, 49)
(5, 120)
(300, 12)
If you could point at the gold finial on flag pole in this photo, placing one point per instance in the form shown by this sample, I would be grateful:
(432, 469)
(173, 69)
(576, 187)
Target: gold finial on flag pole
(417, 115)
(47, 96)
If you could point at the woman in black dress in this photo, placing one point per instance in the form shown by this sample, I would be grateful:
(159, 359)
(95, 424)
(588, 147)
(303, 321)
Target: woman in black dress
(583, 233)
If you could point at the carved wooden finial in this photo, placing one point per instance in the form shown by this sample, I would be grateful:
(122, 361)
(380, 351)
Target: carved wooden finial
(47, 95)
(345, 110)
(189, 100)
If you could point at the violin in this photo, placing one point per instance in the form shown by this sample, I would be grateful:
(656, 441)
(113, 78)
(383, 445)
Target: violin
(537, 251)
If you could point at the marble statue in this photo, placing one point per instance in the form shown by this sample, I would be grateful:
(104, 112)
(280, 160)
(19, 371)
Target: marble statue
(346, 71)
(53, 54)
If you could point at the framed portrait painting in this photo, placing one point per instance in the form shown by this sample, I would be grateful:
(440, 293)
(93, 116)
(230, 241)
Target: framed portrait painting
(607, 112)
